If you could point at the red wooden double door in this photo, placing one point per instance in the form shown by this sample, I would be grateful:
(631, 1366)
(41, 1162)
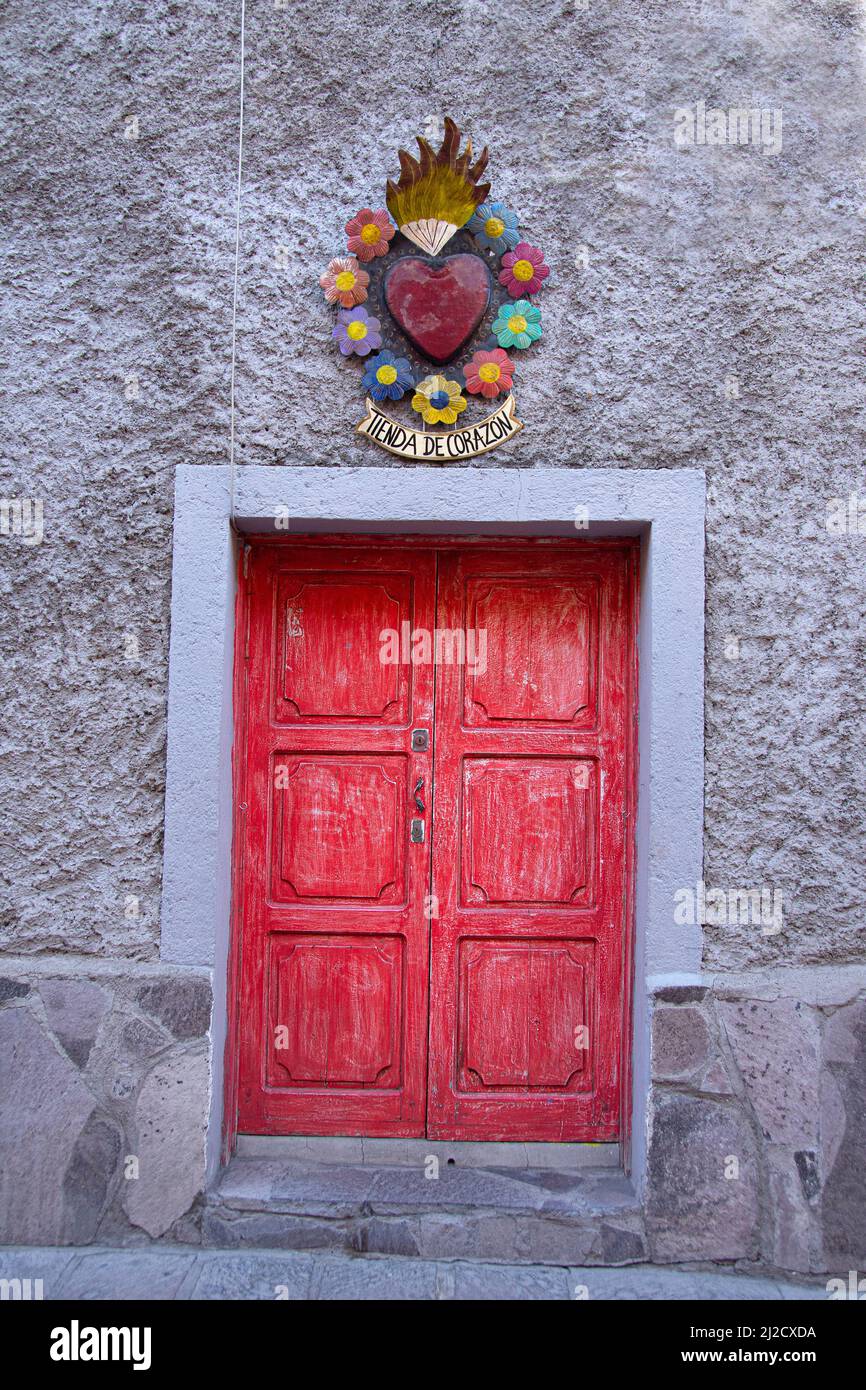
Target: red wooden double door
(436, 748)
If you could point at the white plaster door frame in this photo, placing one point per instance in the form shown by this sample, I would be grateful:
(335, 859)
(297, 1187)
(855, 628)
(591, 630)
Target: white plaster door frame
(665, 507)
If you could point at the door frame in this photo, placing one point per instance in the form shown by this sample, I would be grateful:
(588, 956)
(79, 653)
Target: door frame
(664, 508)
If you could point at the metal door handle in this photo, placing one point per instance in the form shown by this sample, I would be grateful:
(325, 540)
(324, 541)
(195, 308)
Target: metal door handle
(418, 786)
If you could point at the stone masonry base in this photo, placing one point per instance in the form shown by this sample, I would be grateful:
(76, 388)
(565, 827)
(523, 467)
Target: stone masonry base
(757, 1129)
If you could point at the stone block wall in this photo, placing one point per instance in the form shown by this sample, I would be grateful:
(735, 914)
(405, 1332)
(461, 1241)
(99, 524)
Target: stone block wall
(757, 1116)
(104, 1091)
(758, 1122)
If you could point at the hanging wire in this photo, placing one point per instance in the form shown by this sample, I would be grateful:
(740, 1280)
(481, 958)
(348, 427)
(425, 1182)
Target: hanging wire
(237, 272)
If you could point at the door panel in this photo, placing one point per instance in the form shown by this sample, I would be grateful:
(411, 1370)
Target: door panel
(335, 950)
(532, 779)
(549, 857)
(541, 662)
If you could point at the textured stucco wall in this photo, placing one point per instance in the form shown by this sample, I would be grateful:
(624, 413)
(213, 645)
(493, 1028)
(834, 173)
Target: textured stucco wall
(704, 266)
(118, 262)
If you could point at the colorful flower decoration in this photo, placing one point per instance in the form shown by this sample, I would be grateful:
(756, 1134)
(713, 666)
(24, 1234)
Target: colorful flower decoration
(489, 373)
(517, 325)
(438, 400)
(523, 269)
(495, 226)
(439, 196)
(356, 331)
(369, 233)
(387, 377)
(344, 282)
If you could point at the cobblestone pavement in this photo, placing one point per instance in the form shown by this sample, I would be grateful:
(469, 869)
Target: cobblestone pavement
(103, 1273)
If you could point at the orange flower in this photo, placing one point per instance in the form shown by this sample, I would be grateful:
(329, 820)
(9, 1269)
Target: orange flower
(369, 233)
(344, 282)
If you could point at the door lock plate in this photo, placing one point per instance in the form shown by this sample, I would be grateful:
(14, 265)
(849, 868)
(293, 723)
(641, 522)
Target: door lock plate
(416, 832)
(420, 740)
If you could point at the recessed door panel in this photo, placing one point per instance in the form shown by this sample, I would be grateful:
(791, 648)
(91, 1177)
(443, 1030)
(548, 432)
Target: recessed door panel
(328, 646)
(339, 831)
(524, 1015)
(336, 1010)
(528, 832)
(539, 645)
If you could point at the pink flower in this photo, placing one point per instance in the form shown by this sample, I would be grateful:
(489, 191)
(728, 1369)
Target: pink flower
(369, 233)
(523, 270)
(489, 373)
(344, 282)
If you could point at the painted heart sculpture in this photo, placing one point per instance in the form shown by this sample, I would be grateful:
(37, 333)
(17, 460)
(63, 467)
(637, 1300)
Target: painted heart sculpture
(438, 302)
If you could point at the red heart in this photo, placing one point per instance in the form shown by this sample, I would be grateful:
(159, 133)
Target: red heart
(438, 303)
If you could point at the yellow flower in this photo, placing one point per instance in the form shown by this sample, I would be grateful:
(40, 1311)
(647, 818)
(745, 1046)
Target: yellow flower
(438, 400)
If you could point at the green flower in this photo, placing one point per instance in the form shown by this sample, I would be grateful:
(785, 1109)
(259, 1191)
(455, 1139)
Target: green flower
(517, 325)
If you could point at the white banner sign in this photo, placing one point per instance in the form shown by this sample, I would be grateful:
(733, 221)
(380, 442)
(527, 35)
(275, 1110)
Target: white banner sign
(440, 445)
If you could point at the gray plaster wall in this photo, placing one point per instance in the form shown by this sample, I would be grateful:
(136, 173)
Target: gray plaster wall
(117, 279)
(716, 322)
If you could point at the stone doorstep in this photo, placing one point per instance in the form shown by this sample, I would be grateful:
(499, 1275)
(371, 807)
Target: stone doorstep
(415, 1152)
(533, 1216)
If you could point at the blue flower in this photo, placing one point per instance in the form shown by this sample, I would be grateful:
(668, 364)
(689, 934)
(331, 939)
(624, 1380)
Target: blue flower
(495, 227)
(517, 325)
(387, 377)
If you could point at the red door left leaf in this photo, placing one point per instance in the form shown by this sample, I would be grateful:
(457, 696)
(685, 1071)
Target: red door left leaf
(334, 955)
